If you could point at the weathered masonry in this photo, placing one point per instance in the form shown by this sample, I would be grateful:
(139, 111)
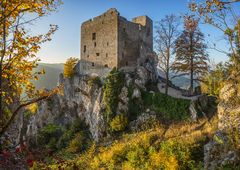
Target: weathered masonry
(109, 41)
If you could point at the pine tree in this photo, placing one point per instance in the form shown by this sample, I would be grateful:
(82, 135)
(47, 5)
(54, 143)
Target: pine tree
(190, 49)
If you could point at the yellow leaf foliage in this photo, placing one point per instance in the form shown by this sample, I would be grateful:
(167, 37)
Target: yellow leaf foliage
(69, 67)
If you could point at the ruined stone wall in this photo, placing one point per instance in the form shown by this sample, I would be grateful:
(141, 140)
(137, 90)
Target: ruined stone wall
(134, 40)
(146, 32)
(99, 42)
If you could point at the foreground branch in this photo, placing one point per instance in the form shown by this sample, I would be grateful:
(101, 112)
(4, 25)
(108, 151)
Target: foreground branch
(14, 114)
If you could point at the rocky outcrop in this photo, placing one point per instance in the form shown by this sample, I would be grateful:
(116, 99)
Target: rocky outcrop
(201, 104)
(80, 99)
(145, 121)
(83, 98)
(223, 149)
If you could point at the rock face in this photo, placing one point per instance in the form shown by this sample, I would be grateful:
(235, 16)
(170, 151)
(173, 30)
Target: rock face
(80, 100)
(199, 104)
(144, 121)
(83, 99)
(224, 147)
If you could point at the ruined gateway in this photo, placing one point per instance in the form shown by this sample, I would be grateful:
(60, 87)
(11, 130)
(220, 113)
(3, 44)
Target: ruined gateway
(110, 40)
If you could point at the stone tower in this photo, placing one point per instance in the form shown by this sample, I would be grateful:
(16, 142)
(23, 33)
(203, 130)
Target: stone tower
(110, 40)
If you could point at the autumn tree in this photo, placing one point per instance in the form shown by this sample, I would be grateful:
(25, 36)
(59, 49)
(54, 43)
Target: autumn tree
(222, 16)
(190, 49)
(166, 34)
(213, 81)
(18, 50)
(69, 67)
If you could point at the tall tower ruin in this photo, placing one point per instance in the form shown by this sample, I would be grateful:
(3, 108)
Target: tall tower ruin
(110, 40)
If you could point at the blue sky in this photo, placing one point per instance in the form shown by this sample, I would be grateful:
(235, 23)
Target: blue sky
(66, 41)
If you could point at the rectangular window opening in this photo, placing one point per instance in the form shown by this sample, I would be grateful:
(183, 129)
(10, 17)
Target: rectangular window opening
(94, 36)
(97, 54)
(84, 48)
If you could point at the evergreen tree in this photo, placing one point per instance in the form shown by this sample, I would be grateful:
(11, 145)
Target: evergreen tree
(190, 49)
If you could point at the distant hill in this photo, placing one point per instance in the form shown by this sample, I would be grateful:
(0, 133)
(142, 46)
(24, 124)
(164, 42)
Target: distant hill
(50, 79)
(182, 82)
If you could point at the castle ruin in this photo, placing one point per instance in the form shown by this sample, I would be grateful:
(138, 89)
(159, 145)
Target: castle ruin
(110, 40)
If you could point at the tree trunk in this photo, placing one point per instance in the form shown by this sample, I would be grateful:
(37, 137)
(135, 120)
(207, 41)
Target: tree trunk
(1, 108)
(3, 51)
(167, 73)
(167, 82)
(191, 77)
(191, 64)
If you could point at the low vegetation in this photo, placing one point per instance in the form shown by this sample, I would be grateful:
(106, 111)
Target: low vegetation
(112, 88)
(94, 81)
(214, 80)
(179, 146)
(167, 107)
(119, 123)
(55, 138)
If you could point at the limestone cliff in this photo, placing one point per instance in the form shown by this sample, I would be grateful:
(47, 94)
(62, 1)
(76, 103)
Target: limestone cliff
(83, 98)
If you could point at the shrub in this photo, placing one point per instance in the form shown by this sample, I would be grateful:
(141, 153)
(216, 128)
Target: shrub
(69, 67)
(161, 160)
(49, 135)
(78, 126)
(76, 144)
(180, 150)
(170, 108)
(119, 123)
(134, 105)
(33, 108)
(112, 88)
(94, 81)
(214, 81)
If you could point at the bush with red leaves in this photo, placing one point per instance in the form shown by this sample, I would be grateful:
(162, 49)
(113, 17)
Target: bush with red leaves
(21, 158)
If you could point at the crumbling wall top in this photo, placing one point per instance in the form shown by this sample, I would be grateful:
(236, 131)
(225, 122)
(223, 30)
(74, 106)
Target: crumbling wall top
(142, 20)
(110, 12)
